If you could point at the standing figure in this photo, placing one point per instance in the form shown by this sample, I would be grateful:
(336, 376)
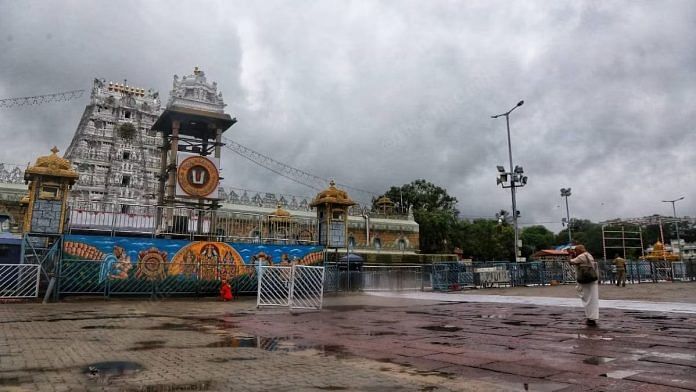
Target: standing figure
(588, 289)
(620, 271)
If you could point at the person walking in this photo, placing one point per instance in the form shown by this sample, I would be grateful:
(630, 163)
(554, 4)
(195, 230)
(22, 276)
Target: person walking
(588, 288)
(620, 264)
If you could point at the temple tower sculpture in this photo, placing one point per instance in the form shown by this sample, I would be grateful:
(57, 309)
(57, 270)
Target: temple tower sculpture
(191, 130)
(332, 213)
(114, 150)
(49, 180)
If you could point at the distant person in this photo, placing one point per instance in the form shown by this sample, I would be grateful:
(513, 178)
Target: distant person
(620, 271)
(225, 291)
(588, 288)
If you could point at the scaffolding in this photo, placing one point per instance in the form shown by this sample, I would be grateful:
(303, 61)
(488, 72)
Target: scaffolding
(624, 236)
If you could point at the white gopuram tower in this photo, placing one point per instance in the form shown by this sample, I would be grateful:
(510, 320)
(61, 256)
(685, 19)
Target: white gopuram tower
(114, 149)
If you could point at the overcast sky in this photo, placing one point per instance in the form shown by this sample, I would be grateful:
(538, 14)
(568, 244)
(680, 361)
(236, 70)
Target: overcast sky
(376, 94)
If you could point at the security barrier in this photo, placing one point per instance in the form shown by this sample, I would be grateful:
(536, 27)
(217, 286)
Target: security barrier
(306, 288)
(274, 285)
(19, 280)
(296, 286)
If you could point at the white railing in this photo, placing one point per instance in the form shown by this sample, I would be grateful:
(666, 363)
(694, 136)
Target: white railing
(19, 280)
(295, 287)
(191, 222)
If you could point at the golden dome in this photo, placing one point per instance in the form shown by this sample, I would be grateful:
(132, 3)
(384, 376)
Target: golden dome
(332, 195)
(384, 201)
(280, 214)
(51, 165)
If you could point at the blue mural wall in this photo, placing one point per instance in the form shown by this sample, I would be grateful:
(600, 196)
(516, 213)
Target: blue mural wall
(156, 258)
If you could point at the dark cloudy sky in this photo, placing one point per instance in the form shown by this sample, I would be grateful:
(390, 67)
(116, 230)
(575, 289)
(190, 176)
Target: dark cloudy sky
(376, 93)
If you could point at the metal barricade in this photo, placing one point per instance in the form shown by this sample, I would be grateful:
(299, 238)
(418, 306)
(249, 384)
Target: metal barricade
(19, 280)
(489, 276)
(306, 288)
(274, 285)
(679, 270)
(392, 278)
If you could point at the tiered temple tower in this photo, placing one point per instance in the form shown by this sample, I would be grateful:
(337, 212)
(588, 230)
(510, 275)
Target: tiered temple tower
(114, 149)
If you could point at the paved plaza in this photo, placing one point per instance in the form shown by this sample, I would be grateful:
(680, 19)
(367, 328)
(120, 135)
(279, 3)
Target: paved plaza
(382, 342)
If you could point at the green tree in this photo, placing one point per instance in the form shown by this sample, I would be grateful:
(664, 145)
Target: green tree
(434, 210)
(536, 238)
(424, 195)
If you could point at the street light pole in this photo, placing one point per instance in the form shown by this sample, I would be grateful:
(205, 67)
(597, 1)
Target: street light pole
(565, 193)
(676, 223)
(515, 176)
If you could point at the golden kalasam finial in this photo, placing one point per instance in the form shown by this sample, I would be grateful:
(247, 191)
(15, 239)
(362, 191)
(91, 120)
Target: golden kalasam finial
(332, 182)
(196, 71)
(55, 150)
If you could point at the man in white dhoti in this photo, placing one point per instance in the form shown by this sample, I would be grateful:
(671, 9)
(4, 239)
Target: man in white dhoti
(588, 288)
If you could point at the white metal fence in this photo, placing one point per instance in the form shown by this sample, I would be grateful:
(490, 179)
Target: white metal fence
(307, 287)
(296, 287)
(184, 221)
(679, 270)
(19, 280)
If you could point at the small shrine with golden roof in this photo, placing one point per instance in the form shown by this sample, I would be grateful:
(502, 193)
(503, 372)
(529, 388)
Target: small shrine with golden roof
(332, 213)
(660, 253)
(49, 180)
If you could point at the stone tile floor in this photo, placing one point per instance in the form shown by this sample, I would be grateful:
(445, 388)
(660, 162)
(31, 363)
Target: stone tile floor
(357, 342)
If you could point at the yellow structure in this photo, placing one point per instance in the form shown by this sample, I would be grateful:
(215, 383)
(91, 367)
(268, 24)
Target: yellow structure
(659, 253)
(332, 213)
(50, 180)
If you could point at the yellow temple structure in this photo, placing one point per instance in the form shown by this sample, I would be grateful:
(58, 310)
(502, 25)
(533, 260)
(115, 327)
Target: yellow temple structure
(659, 253)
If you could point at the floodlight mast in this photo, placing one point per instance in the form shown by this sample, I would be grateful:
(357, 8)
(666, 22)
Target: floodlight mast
(515, 174)
(565, 193)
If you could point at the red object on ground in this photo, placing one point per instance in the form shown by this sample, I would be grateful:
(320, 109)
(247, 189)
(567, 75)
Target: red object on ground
(226, 292)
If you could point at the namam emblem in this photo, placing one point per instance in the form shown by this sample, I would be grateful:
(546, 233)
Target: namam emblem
(198, 176)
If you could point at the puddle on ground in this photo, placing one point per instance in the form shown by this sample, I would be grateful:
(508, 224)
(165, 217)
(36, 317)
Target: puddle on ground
(382, 333)
(513, 322)
(620, 373)
(224, 360)
(593, 337)
(15, 381)
(442, 328)
(494, 316)
(148, 345)
(196, 386)
(347, 308)
(682, 356)
(650, 317)
(103, 327)
(597, 360)
(104, 371)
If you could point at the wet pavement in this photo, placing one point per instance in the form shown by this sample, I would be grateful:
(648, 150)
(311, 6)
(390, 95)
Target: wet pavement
(358, 342)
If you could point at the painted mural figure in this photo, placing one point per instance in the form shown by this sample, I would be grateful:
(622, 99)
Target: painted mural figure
(210, 257)
(189, 267)
(115, 265)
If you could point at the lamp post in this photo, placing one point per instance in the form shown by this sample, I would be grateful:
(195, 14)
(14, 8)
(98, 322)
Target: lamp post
(515, 176)
(676, 223)
(565, 193)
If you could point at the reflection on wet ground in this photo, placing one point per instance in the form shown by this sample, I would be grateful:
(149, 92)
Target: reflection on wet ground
(104, 372)
(537, 349)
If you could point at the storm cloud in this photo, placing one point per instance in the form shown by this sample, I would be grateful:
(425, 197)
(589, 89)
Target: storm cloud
(376, 93)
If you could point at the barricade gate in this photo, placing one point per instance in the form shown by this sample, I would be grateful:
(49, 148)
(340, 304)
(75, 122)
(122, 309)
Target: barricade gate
(307, 287)
(19, 280)
(297, 286)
